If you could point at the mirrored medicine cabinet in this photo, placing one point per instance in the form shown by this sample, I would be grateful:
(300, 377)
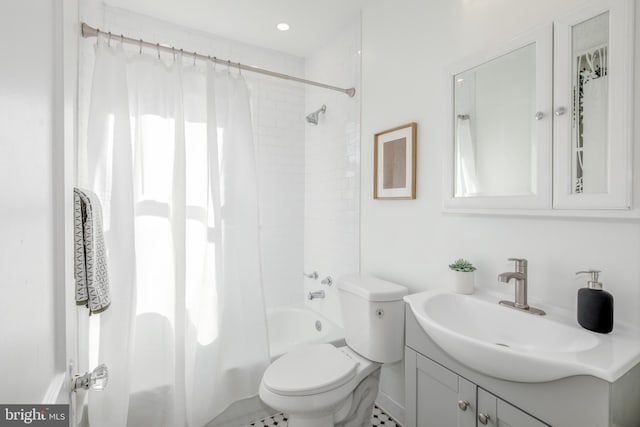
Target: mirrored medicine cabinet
(544, 123)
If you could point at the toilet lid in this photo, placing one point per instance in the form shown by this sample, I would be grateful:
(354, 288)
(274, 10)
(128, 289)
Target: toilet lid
(309, 369)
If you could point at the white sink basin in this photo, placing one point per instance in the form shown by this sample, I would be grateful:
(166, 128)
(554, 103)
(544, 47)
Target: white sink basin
(516, 346)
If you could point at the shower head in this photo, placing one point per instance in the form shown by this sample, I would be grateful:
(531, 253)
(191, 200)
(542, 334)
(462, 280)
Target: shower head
(313, 117)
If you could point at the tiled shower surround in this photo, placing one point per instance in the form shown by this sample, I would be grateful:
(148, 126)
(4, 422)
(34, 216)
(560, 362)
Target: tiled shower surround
(332, 168)
(308, 175)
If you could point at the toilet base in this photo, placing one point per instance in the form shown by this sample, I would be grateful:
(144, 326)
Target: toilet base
(364, 397)
(356, 411)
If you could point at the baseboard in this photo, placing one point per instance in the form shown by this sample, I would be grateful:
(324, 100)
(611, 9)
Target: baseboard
(391, 407)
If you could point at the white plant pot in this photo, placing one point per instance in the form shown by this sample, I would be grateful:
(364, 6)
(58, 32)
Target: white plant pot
(463, 282)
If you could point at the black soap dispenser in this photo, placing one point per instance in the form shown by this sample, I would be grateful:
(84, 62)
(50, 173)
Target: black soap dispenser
(595, 305)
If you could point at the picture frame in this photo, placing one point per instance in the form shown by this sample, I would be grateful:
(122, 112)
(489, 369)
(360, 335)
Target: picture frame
(394, 163)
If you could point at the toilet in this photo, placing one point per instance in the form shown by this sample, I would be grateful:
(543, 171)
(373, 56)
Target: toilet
(320, 385)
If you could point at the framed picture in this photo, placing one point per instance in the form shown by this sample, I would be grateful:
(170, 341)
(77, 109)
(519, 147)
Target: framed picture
(394, 163)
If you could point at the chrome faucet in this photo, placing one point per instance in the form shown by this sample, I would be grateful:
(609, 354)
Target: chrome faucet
(315, 294)
(520, 277)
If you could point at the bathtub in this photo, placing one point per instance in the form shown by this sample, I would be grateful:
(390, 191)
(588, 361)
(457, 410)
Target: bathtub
(293, 325)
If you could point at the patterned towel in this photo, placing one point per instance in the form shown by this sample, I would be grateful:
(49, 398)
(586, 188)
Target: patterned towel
(92, 279)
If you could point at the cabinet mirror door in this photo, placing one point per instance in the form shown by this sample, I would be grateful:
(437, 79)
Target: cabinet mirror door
(500, 150)
(592, 102)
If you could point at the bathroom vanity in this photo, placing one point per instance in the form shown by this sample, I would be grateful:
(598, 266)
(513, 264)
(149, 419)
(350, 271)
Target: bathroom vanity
(441, 391)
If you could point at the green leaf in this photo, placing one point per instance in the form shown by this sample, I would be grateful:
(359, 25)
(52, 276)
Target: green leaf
(462, 265)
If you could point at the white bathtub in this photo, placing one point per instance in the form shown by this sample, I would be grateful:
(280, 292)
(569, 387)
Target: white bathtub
(293, 325)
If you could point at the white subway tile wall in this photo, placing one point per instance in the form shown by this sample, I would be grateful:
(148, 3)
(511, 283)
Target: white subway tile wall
(332, 168)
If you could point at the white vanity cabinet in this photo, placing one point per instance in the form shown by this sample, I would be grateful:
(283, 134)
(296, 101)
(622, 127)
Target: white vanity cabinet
(444, 398)
(441, 392)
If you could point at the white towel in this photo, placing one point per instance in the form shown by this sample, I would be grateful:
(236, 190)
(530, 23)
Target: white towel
(92, 279)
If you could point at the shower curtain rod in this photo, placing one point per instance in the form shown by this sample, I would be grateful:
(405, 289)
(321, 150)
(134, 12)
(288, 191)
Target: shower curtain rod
(89, 31)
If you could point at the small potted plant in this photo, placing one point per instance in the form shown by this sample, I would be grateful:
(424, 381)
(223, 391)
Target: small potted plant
(463, 276)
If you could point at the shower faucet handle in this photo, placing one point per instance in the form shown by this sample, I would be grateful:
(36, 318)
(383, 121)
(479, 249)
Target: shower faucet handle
(327, 281)
(313, 275)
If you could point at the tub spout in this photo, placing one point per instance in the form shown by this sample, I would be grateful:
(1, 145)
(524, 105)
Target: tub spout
(315, 294)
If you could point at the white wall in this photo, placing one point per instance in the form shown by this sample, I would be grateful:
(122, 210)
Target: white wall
(332, 168)
(278, 120)
(407, 46)
(28, 239)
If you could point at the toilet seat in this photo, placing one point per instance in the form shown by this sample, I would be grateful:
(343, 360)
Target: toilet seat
(309, 370)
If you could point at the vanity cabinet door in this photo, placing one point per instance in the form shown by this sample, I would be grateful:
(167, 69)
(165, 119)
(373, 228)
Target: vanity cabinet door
(498, 413)
(443, 398)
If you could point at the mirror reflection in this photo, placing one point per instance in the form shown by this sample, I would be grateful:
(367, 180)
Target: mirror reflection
(591, 91)
(495, 132)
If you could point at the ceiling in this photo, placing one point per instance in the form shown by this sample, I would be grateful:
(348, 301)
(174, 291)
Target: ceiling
(313, 23)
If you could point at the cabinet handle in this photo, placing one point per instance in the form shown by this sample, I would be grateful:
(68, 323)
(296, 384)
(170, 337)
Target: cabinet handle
(463, 404)
(560, 111)
(539, 115)
(483, 418)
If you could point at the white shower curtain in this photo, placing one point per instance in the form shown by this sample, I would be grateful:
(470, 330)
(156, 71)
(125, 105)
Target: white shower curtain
(169, 150)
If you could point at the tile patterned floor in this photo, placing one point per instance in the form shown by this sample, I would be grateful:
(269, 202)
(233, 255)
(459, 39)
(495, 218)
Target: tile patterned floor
(378, 418)
(381, 418)
(279, 420)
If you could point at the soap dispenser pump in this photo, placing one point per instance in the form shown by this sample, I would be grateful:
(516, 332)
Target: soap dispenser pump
(595, 305)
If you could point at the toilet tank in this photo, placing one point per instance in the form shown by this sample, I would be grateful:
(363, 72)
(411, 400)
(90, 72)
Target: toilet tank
(373, 315)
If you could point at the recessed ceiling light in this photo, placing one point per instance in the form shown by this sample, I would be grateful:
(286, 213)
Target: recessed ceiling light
(283, 26)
